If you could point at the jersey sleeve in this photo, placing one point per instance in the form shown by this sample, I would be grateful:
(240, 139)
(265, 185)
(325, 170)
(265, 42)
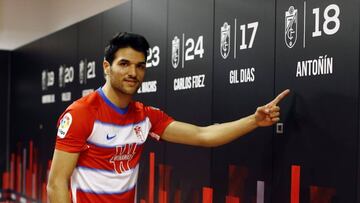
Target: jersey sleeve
(159, 121)
(74, 127)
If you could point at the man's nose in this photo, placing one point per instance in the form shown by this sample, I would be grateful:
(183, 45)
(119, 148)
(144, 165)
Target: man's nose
(132, 70)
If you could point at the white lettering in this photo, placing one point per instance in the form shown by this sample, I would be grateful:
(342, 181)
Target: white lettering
(247, 75)
(86, 92)
(242, 76)
(148, 86)
(198, 81)
(195, 81)
(320, 66)
(48, 98)
(124, 157)
(65, 96)
(233, 77)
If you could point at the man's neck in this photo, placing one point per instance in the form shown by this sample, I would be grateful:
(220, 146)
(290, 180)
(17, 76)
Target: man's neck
(120, 99)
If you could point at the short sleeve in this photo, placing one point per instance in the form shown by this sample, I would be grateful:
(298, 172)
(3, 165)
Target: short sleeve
(159, 121)
(74, 127)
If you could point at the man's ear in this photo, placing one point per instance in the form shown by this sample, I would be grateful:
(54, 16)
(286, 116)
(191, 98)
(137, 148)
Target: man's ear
(106, 67)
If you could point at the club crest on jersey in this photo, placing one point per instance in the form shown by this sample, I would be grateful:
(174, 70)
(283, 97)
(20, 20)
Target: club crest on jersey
(123, 156)
(291, 21)
(175, 52)
(225, 40)
(64, 126)
(139, 133)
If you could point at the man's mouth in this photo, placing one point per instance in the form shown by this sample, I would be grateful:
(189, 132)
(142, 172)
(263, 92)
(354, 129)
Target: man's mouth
(131, 82)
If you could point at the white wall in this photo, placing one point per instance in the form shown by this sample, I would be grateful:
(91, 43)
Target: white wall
(23, 21)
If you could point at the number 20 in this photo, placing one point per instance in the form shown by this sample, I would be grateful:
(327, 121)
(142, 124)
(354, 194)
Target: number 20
(69, 74)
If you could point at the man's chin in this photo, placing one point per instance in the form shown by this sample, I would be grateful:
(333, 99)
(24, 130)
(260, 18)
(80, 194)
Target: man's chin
(130, 91)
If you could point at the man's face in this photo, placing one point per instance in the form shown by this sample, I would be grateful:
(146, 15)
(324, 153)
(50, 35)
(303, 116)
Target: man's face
(127, 71)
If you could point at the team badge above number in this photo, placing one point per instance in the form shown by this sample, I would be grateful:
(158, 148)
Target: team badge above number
(175, 56)
(225, 40)
(291, 21)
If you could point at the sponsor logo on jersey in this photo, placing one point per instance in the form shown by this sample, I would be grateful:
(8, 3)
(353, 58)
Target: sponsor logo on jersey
(291, 21)
(64, 126)
(123, 156)
(175, 53)
(110, 137)
(225, 40)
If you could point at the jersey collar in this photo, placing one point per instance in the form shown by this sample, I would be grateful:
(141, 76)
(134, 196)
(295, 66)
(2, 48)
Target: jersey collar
(112, 105)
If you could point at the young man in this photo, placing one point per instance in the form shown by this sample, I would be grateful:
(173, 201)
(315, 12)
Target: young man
(100, 136)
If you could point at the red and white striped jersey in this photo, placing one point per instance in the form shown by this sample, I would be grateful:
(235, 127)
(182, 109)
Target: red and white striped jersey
(110, 141)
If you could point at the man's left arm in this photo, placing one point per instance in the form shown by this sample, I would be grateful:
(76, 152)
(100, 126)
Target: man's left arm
(219, 134)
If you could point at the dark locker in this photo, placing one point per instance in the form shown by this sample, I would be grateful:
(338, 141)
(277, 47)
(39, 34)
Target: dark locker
(115, 20)
(149, 18)
(317, 45)
(4, 110)
(189, 92)
(244, 79)
(90, 55)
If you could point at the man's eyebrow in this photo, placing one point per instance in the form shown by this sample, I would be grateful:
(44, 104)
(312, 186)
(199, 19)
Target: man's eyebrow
(124, 60)
(128, 61)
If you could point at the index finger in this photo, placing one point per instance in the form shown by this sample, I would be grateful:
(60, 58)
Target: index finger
(280, 97)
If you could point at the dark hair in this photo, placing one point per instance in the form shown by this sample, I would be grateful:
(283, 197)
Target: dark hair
(124, 40)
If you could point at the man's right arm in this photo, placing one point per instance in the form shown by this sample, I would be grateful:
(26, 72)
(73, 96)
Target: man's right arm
(62, 166)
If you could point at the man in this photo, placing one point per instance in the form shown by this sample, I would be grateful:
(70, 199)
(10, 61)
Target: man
(100, 136)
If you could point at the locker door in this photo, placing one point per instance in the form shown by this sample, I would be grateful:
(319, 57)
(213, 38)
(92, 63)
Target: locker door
(317, 58)
(244, 79)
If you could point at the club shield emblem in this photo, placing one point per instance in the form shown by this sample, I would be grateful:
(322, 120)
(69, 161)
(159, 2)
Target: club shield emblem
(291, 21)
(225, 40)
(175, 52)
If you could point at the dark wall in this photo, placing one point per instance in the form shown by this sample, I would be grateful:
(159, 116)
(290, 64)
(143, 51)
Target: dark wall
(189, 92)
(4, 106)
(318, 140)
(150, 19)
(211, 61)
(26, 115)
(243, 32)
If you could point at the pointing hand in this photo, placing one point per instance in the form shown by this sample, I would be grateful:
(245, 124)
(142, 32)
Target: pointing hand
(269, 114)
